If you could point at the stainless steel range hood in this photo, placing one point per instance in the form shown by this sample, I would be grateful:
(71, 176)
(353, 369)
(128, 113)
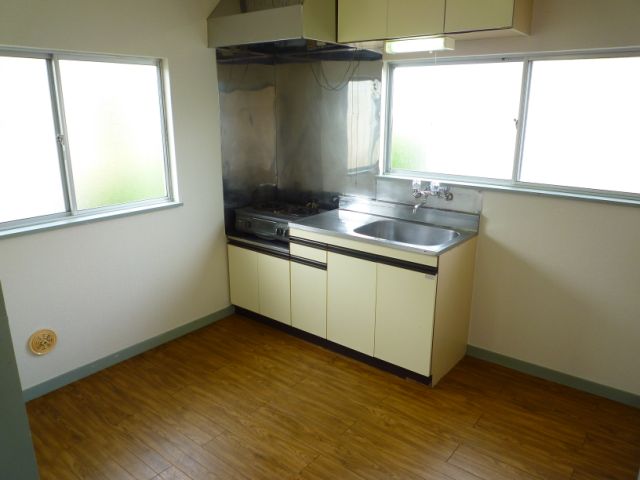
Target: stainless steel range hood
(246, 22)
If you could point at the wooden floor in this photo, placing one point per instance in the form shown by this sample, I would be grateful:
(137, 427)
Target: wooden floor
(241, 400)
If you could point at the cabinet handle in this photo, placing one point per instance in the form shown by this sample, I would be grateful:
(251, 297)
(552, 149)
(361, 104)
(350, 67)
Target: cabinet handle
(308, 263)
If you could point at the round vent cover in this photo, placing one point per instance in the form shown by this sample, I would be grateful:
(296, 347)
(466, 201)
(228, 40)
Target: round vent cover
(42, 342)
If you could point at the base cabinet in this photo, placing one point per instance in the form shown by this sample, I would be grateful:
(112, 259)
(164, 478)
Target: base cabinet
(260, 283)
(351, 302)
(309, 299)
(243, 278)
(410, 311)
(274, 289)
(405, 304)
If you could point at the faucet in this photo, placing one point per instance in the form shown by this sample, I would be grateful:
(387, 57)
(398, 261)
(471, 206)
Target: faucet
(434, 189)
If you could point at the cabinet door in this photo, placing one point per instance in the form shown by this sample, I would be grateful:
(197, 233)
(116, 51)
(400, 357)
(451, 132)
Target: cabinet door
(360, 20)
(405, 302)
(472, 15)
(274, 288)
(351, 302)
(411, 18)
(309, 299)
(243, 278)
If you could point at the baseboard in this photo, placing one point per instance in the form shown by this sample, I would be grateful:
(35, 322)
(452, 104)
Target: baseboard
(555, 376)
(93, 367)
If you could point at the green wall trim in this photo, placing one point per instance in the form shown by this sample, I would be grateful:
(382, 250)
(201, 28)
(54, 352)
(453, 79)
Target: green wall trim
(102, 363)
(553, 375)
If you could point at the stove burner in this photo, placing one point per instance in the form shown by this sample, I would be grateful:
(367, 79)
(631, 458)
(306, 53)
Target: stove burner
(270, 220)
(287, 209)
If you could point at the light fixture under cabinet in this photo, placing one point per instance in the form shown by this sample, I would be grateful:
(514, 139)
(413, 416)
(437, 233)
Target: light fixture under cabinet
(422, 44)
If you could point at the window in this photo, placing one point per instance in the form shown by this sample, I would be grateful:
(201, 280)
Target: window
(79, 137)
(549, 124)
(30, 181)
(457, 119)
(582, 124)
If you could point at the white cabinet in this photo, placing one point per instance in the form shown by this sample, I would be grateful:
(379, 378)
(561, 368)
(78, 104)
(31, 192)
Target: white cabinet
(309, 289)
(309, 299)
(274, 288)
(405, 304)
(412, 18)
(360, 20)
(243, 278)
(506, 16)
(405, 308)
(366, 20)
(363, 20)
(351, 302)
(260, 283)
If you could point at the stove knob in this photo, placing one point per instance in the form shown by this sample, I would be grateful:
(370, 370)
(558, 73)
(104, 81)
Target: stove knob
(280, 232)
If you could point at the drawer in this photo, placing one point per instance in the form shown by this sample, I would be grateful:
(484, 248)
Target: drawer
(309, 253)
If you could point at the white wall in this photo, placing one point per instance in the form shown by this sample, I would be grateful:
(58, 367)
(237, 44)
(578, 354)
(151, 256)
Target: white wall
(558, 281)
(108, 285)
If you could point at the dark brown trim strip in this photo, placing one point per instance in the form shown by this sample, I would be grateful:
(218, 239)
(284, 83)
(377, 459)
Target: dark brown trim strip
(255, 248)
(416, 267)
(308, 263)
(334, 347)
(308, 243)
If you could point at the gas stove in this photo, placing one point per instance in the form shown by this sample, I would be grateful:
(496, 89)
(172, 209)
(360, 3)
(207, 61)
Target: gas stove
(270, 220)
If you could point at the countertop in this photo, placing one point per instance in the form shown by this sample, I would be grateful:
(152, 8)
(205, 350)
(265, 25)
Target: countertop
(343, 223)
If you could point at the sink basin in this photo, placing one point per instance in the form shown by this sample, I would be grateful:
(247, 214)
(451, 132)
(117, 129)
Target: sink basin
(407, 232)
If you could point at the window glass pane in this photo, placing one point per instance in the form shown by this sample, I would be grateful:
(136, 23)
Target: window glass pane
(30, 181)
(115, 133)
(583, 124)
(456, 119)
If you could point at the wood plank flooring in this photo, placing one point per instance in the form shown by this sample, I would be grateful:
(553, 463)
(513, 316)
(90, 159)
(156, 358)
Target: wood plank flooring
(241, 400)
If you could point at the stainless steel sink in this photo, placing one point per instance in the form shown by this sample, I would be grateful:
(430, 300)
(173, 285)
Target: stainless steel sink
(407, 232)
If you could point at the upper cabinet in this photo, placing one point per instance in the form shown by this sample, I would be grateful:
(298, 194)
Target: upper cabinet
(365, 20)
(414, 18)
(508, 16)
(361, 20)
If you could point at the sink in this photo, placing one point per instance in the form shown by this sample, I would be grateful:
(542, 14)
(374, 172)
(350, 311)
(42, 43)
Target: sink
(407, 232)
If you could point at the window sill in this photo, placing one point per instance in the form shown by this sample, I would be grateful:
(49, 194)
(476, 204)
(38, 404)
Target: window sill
(88, 218)
(528, 188)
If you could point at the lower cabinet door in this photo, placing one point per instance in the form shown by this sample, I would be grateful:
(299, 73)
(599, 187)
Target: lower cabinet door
(309, 299)
(274, 288)
(351, 302)
(243, 278)
(405, 303)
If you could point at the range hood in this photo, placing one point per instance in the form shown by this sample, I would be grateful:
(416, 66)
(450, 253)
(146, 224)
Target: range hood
(279, 31)
(246, 22)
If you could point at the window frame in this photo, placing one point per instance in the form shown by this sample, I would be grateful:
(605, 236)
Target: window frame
(72, 215)
(514, 184)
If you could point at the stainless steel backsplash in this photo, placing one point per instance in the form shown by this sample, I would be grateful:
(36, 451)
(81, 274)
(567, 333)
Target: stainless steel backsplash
(310, 129)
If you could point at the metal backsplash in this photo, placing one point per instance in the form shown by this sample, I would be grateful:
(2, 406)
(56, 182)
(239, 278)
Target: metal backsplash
(310, 129)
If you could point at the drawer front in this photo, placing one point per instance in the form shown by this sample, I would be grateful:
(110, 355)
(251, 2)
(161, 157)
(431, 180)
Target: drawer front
(383, 251)
(309, 253)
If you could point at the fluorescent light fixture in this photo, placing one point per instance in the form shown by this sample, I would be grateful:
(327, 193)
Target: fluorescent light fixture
(424, 44)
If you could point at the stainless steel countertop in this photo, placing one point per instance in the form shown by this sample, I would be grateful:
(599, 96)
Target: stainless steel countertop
(342, 223)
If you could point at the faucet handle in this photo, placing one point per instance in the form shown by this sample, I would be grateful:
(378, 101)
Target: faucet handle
(416, 186)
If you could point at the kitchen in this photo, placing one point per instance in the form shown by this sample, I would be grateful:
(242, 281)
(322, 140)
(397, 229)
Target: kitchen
(116, 271)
